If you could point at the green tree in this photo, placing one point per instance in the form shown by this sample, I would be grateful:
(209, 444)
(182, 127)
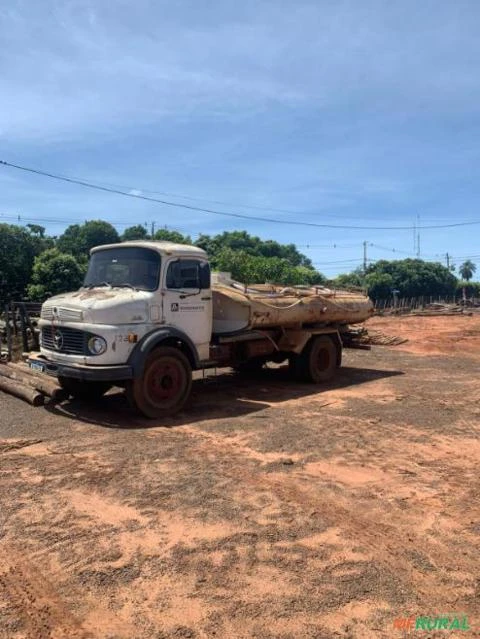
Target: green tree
(71, 240)
(467, 269)
(40, 241)
(137, 232)
(412, 278)
(379, 284)
(306, 275)
(36, 229)
(355, 279)
(164, 235)
(472, 289)
(254, 269)
(78, 239)
(252, 245)
(53, 273)
(17, 253)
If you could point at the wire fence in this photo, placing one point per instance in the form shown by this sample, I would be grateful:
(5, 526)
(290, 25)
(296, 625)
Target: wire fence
(423, 301)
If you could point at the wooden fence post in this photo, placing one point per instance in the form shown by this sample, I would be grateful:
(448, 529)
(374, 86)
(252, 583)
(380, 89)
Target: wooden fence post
(9, 332)
(23, 326)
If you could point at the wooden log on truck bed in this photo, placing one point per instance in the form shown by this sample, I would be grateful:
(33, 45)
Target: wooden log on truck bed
(30, 395)
(26, 376)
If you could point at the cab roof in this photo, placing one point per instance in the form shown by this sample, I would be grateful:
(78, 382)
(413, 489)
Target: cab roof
(164, 248)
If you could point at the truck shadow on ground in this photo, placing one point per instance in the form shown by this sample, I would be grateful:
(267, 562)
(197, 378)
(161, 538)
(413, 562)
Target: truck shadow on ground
(222, 396)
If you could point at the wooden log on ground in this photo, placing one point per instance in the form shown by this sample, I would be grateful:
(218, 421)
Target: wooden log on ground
(24, 369)
(26, 376)
(30, 395)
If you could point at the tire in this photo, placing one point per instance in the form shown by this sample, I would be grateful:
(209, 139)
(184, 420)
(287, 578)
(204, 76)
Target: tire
(165, 385)
(81, 389)
(317, 362)
(339, 349)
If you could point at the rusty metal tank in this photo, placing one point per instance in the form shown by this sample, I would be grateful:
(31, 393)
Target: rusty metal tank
(237, 307)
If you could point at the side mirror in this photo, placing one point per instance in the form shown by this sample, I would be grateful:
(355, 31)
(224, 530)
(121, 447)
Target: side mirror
(204, 273)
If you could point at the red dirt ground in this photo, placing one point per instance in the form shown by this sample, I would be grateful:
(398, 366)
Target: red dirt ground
(267, 509)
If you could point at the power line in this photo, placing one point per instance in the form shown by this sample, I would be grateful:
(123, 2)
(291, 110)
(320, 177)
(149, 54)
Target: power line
(224, 213)
(464, 257)
(55, 220)
(327, 246)
(339, 262)
(323, 269)
(392, 250)
(141, 190)
(22, 218)
(52, 220)
(131, 190)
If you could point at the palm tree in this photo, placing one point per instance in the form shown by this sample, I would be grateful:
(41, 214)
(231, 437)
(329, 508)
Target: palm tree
(467, 269)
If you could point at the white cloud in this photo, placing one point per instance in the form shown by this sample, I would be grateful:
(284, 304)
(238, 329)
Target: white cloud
(337, 108)
(83, 66)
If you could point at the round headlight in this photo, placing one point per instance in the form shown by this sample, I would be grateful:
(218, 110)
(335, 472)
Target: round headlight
(97, 345)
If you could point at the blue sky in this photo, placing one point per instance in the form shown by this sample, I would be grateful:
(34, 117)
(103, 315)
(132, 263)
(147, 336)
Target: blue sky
(336, 112)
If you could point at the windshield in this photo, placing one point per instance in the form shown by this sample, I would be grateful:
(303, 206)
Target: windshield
(124, 266)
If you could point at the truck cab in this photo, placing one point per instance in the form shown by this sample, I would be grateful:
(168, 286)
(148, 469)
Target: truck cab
(137, 297)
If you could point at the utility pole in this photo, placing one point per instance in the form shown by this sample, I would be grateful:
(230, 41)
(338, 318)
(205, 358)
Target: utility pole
(447, 256)
(365, 256)
(153, 229)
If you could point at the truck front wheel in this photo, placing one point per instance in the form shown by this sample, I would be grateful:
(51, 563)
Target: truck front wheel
(165, 385)
(318, 360)
(81, 389)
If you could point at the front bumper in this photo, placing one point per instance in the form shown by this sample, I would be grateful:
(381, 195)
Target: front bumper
(80, 371)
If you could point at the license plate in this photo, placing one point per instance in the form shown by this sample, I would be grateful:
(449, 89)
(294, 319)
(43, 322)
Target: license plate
(37, 367)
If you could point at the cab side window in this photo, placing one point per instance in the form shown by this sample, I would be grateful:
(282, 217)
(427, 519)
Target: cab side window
(184, 274)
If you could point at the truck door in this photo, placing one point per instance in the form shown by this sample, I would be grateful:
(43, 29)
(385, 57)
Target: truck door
(187, 300)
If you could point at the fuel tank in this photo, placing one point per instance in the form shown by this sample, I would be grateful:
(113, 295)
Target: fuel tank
(237, 307)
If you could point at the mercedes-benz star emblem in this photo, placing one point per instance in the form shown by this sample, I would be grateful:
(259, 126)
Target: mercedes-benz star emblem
(58, 340)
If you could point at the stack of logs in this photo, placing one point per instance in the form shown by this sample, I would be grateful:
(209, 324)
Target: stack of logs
(363, 338)
(438, 308)
(19, 380)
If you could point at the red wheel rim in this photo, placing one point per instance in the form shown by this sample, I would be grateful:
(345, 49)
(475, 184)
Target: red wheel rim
(164, 381)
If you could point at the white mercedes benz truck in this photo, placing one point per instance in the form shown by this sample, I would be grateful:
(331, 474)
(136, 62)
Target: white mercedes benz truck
(147, 316)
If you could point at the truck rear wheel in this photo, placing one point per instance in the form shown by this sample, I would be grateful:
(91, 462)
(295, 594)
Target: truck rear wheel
(318, 360)
(164, 386)
(82, 389)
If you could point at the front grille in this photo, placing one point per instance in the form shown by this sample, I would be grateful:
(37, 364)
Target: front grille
(65, 340)
(64, 314)
(47, 312)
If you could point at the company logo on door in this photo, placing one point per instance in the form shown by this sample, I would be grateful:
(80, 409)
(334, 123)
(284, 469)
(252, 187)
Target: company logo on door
(175, 306)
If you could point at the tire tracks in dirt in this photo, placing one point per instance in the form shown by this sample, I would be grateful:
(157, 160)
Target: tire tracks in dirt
(29, 598)
(389, 544)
